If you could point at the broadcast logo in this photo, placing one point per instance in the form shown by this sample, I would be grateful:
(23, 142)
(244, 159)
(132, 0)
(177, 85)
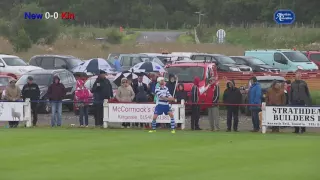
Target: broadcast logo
(48, 15)
(284, 16)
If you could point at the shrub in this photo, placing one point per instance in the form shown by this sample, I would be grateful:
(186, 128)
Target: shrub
(21, 42)
(114, 36)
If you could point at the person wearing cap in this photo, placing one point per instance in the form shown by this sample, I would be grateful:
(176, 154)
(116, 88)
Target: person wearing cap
(101, 89)
(255, 95)
(117, 64)
(56, 92)
(13, 93)
(31, 90)
(212, 97)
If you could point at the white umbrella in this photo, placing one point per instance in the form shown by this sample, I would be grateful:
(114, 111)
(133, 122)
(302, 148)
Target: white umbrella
(94, 66)
(131, 75)
(147, 67)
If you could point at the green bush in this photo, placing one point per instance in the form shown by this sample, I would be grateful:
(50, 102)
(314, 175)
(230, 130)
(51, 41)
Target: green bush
(21, 42)
(114, 36)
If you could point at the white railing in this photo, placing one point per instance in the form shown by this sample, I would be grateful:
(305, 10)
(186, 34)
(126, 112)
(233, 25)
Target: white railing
(140, 113)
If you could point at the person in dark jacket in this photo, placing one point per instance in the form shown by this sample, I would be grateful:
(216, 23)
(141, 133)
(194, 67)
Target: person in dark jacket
(299, 96)
(139, 83)
(141, 97)
(213, 94)
(181, 94)
(101, 89)
(196, 91)
(56, 92)
(31, 90)
(171, 84)
(232, 95)
(152, 86)
(255, 96)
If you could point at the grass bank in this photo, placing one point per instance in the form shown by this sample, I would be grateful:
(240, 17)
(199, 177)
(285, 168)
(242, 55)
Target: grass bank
(34, 154)
(264, 37)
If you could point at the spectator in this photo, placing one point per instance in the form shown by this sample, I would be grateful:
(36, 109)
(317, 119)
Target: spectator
(286, 87)
(117, 64)
(196, 91)
(288, 82)
(101, 89)
(152, 85)
(213, 94)
(31, 90)
(255, 95)
(181, 94)
(141, 97)
(125, 94)
(139, 83)
(171, 84)
(82, 96)
(155, 97)
(275, 96)
(233, 97)
(299, 96)
(56, 92)
(12, 93)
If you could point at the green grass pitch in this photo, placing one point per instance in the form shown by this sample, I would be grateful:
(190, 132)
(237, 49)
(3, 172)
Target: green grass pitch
(94, 154)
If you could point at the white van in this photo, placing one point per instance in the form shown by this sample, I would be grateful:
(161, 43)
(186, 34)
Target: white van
(14, 65)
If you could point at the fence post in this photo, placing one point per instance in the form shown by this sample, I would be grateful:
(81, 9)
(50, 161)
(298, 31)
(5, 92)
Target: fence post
(264, 127)
(182, 114)
(105, 113)
(27, 112)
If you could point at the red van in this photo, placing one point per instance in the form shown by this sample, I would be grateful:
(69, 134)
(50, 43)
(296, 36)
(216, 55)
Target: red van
(186, 71)
(314, 56)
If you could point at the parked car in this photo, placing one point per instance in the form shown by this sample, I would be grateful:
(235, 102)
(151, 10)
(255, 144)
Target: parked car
(256, 64)
(223, 63)
(285, 59)
(15, 65)
(313, 56)
(49, 61)
(44, 78)
(4, 81)
(265, 83)
(186, 71)
(89, 84)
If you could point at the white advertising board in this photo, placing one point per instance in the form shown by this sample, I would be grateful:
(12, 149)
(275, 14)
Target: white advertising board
(139, 113)
(11, 111)
(292, 116)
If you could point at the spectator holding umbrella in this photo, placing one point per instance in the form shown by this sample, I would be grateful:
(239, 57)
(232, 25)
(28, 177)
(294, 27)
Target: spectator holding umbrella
(101, 89)
(125, 94)
(255, 95)
(299, 96)
(138, 84)
(12, 93)
(56, 92)
(233, 96)
(31, 90)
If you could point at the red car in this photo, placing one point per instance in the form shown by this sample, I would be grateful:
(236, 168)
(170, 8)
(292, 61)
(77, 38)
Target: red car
(88, 84)
(314, 56)
(186, 71)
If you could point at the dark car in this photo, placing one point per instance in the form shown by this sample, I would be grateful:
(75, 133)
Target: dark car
(256, 64)
(44, 78)
(223, 63)
(55, 62)
(265, 83)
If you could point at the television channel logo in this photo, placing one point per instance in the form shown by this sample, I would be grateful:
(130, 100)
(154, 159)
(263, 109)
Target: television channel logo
(284, 16)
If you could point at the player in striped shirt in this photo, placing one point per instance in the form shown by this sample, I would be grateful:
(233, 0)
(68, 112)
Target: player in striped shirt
(163, 107)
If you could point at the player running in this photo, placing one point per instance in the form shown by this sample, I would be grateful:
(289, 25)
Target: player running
(163, 107)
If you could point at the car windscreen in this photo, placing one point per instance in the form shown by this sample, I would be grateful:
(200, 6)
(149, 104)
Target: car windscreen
(89, 83)
(315, 57)
(186, 73)
(40, 79)
(4, 81)
(296, 56)
(74, 62)
(256, 61)
(14, 61)
(225, 60)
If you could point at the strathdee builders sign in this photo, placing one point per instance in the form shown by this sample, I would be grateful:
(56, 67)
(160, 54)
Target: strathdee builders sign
(292, 116)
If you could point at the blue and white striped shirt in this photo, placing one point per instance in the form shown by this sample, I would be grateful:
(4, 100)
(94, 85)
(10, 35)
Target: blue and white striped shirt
(162, 92)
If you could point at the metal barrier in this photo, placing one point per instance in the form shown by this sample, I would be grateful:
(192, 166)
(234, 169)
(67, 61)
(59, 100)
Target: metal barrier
(16, 111)
(140, 113)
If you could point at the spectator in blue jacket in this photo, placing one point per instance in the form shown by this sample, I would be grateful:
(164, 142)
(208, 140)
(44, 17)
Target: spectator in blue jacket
(255, 95)
(117, 64)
